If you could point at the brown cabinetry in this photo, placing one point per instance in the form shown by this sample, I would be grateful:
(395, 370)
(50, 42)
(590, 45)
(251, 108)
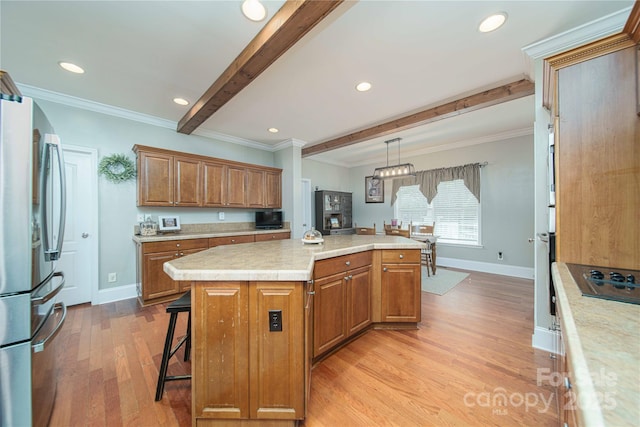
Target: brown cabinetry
(155, 285)
(597, 129)
(231, 240)
(265, 237)
(172, 178)
(243, 369)
(342, 304)
(400, 286)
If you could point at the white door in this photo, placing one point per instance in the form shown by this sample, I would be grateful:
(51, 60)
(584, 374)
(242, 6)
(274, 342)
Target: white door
(306, 206)
(79, 249)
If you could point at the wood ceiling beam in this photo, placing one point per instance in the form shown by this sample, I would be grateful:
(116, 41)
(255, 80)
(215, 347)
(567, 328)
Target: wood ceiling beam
(288, 25)
(497, 95)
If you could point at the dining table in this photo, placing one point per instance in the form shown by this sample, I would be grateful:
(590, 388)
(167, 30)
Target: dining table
(431, 240)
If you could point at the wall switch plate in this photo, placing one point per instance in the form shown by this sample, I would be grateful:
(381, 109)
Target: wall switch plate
(112, 277)
(221, 216)
(275, 320)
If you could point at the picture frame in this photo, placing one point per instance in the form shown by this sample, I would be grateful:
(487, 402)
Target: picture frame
(334, 222)
(168, 223)
(373, 190)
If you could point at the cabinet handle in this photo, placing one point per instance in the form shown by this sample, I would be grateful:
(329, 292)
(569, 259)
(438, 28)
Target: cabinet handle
(401, 256)
(384, 269)
(181, 253)
(233, 240)
(311, 293)
(177, 255)
(348, 263)
(177, 245)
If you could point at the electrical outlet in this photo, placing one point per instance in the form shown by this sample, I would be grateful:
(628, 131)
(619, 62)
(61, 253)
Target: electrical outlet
(500, 256)
(221, 216)
(275, 320)
(140, 217)
(112, 277)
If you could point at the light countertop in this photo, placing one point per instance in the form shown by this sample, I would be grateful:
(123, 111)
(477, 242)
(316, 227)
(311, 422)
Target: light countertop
(603, 341)
(279, 260)
(203, 234)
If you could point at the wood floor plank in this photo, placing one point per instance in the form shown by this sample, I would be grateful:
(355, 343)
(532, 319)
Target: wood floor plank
(470, 363)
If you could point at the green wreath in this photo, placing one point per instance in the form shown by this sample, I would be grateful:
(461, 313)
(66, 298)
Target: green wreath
(117, 168)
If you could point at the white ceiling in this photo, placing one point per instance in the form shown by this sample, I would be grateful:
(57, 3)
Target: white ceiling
(139, 55)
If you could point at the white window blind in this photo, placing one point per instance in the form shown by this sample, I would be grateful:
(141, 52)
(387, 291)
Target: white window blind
(455, 211)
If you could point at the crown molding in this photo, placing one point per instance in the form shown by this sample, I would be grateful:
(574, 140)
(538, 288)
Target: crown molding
(291, 142)
(586, 33)
(434, 149)
(110, 110)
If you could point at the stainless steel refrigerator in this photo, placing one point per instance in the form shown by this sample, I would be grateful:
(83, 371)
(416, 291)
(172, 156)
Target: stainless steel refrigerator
(32, 215)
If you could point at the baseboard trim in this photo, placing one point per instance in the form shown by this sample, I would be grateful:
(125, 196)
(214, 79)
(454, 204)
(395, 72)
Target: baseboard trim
(116, 294)
(487, 267)
(545, 339)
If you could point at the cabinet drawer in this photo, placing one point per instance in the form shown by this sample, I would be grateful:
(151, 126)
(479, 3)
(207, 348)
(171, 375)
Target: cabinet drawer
(230, 240)
(401, 256)
(335, 265)
(170, 245)
(271, 236)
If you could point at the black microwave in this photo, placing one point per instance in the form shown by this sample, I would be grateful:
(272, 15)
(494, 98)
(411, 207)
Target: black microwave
(268, 220)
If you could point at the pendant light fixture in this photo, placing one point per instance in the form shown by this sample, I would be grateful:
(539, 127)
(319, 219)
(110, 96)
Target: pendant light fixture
(394, 171)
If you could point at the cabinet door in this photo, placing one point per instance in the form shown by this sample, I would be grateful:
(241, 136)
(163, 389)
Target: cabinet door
(156, 283)
(155, 181)
(255, 188)
(188, 184)
(329, 322)
(273, 189)
(215, 184)
(236, 186)
(400, 286)
(276, 371)
(358, 290)
(220, 364)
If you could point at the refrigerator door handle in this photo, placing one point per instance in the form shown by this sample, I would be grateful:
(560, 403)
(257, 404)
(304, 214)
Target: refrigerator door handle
(51, 142)
(39, 300)
(39, 345)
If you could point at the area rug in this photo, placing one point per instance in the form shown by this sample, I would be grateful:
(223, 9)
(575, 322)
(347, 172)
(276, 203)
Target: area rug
(442, 282)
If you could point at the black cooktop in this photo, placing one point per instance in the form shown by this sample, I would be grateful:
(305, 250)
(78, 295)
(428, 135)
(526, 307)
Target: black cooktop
(615, 284)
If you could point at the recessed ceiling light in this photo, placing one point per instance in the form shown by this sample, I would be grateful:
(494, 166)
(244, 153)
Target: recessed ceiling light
(363, 86)
(493, 22)
(254, 10)
(273, 130)
(71, 67)
(180, 101)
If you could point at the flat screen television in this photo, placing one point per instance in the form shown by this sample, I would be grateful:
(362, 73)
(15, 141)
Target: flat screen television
(268, 220)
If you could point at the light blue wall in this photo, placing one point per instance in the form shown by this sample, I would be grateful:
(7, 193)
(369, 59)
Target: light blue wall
(117, 202)
(507, 198)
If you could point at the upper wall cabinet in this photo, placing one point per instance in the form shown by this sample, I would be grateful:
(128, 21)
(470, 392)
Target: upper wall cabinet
(171, 178)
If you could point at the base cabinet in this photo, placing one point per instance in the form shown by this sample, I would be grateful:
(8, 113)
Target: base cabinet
(400, 286)
(243, 368)
(155, 285)
(342, 304)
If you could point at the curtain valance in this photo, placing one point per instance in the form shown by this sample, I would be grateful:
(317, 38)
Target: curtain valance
(428, 180)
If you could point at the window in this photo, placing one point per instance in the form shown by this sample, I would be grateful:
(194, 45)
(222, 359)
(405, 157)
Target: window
(455, 211)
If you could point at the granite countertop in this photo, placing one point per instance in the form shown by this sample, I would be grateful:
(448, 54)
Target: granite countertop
(603, 341)
(279, 260)
(203, 234)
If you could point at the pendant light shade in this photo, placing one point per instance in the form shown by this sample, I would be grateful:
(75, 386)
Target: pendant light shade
(394, 171)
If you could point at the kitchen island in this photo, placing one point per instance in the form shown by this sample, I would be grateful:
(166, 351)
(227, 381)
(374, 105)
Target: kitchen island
(601, 363)
(253, 317)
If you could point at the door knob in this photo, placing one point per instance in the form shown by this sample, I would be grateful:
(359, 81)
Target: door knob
(85, 235)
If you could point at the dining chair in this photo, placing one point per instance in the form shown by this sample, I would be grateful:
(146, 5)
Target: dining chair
(398, 232)
(366, 230)
(391, 227)
(426, 254)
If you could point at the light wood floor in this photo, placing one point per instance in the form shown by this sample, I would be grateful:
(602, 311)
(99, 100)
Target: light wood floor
(469, 363)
